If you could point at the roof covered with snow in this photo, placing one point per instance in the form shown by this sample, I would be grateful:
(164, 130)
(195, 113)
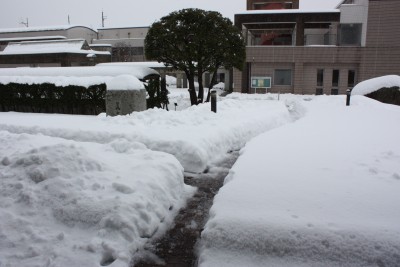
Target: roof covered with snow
(44, 28)
(35, 38)
(50, 46)
(368, 86)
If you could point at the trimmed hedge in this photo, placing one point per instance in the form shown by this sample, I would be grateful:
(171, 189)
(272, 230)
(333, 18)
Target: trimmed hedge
(387, 95)
(49, 98)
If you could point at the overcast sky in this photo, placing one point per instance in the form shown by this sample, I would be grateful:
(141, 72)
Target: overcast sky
(119, 13)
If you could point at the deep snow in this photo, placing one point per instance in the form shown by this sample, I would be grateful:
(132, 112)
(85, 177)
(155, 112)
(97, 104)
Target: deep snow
(84, 190)
(195, 136)
(323, 191)
(87, 190)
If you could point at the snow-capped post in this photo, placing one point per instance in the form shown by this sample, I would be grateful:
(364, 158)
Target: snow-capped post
(214, 100)
(348, 93)
(125, 94)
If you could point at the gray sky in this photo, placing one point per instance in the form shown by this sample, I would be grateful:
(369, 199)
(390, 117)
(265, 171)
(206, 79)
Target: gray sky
(119, 12)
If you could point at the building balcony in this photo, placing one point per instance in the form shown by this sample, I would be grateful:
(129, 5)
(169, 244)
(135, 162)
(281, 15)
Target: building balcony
(320, 39)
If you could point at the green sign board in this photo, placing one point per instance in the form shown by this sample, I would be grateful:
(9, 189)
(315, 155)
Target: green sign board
(260, 82)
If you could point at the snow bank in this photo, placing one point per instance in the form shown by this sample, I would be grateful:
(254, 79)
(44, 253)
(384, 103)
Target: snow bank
(323, 191)
(220, 86)
(67, 203)
(78, 76)
(372, 85)
(195, 136)
(124, 82)
(138, 72)
(170, 80)
(58, 80)
(149, 64)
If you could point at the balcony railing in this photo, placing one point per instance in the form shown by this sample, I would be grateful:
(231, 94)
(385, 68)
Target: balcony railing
(320, 39)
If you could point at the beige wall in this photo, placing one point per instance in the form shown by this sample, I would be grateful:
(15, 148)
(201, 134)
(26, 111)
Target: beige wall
(122, 33)
(383, 23)
(382, 54)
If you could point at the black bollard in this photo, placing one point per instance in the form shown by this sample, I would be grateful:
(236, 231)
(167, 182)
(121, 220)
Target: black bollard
(214, 101)
(348, 93)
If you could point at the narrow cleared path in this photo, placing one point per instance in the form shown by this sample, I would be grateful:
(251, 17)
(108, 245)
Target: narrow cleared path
(178, 246)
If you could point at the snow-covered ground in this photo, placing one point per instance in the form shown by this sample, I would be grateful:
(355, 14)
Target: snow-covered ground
(85, 190)
(323, 191)
(195, 136)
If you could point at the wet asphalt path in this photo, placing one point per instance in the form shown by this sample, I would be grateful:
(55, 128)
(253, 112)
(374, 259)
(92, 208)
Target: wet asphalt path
(177, 247)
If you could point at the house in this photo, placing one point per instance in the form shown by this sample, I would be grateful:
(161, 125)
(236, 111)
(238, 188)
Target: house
(51, 53)
(317, 52)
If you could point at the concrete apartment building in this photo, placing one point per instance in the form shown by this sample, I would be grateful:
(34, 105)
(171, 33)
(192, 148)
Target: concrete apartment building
(127, 42)
(317, 52)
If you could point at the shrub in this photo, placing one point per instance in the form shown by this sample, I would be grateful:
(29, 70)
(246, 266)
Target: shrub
(49, 98)
(387, 95)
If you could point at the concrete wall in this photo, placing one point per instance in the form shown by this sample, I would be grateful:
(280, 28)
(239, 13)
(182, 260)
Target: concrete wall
(383, 23)
(81, 33)
(123, 33)
(382, 54)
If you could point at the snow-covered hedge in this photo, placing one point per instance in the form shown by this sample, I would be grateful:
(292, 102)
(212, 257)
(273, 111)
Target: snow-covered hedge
(385, 89)
(372, 85)
(49, 98)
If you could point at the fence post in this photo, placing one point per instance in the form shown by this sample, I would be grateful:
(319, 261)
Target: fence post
(348, 93)
(214, 100)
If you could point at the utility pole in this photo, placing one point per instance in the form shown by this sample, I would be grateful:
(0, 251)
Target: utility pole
(103, 18)
(26, 24)
(69, 22)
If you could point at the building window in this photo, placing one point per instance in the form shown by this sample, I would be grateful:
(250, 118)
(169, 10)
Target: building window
(335, 78)
(283, 77)
(320, 82)
(351, 78)
(320, 77)
(350, 34)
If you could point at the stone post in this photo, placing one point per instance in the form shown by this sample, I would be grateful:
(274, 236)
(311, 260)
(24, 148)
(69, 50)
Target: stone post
(125, 94)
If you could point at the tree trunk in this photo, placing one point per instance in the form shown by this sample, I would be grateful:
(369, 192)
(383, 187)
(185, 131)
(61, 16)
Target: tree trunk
(192, 90)
(200, 96)
(212, 83)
